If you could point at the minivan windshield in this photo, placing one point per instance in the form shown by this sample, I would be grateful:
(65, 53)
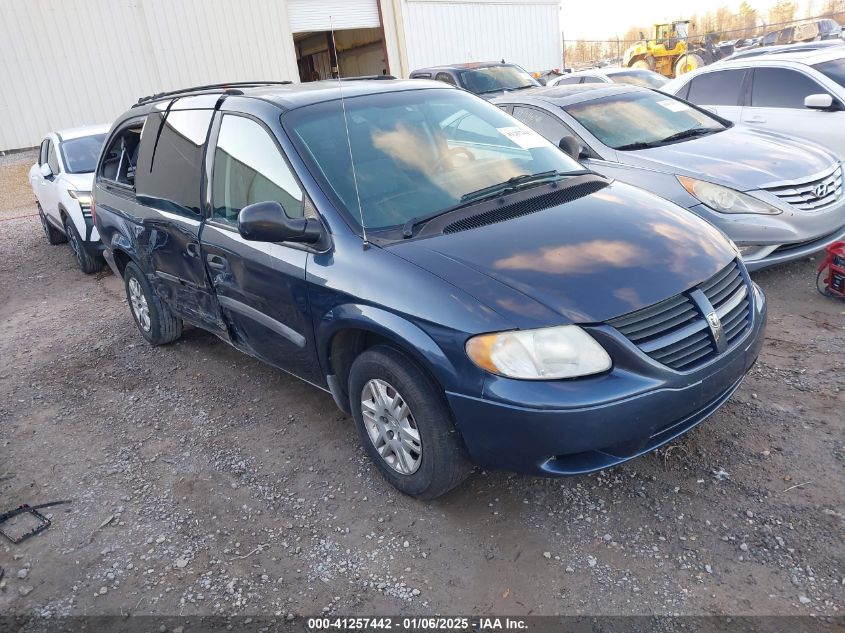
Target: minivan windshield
(496, 78)
(642, 119)
(81, 154)
(833, 70)
(418, 152)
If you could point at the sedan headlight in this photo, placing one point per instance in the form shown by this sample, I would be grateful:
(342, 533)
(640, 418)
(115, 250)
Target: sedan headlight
(83, 197)
(725, 200)
(564, 351)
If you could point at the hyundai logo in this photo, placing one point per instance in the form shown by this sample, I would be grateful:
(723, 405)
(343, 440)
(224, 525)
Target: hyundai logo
(715, 325)
(821, 190)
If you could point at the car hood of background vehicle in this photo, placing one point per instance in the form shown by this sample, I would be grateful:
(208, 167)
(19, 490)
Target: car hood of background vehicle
(589, 260)
(739, 157)
(80, 182)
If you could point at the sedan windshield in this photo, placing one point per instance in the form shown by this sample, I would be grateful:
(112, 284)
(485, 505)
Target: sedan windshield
(644, 78)
(418, 153)
(80, 154)
(642, 119)
(833, 70)
(496, 78)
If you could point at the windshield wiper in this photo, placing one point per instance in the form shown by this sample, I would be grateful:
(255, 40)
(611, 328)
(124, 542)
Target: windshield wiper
(638, 145)
(692, 132)
(510, 185)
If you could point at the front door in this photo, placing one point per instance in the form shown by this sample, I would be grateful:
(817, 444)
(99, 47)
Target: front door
(260, 286)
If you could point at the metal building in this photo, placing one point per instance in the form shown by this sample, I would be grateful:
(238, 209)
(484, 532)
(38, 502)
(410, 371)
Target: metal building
(76, 62)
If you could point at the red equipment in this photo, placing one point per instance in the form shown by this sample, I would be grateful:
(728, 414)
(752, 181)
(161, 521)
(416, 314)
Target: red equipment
(834, 263)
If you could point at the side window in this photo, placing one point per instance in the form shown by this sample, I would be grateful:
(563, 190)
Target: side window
(781, 88)
(249, 168)
(446, 78)
(568, 80)
(170, 173)
(421, 76)
(543, 123)
(592, 80)
(42, 155)
(121, 156)
(717, 88)
(52, 159)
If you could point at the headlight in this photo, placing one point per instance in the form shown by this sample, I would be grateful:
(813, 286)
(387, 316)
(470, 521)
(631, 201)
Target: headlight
(83, 197)
(565, 351)
(725, 200)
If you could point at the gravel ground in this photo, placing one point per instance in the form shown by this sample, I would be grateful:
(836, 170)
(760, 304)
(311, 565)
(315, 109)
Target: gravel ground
(204, 482)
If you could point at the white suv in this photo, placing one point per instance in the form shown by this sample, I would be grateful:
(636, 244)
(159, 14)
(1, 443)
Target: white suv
(61, 181)
(800, 94)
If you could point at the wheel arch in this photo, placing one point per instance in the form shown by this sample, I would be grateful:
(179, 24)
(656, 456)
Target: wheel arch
(348, 330)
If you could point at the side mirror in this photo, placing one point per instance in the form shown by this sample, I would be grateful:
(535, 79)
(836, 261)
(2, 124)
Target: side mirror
(46, 171)
(570, 147)
(268, 222)
(818, 102)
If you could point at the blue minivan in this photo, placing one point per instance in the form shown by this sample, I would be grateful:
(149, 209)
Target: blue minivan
(467, 291)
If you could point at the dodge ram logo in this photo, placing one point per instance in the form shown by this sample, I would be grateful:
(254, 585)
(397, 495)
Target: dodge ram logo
(715, 325)
(821, 190)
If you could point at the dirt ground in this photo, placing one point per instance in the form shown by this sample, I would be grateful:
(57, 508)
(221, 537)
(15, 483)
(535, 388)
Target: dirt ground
(205, 482)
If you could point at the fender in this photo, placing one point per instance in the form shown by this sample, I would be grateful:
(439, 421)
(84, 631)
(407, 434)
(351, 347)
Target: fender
(410, 337)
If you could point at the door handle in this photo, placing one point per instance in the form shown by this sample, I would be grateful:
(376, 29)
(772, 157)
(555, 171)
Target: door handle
(756, 119)
(193, 249)
(217, 262)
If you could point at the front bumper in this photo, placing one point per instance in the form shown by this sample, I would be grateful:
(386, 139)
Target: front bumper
(91, 239)
(571, 427)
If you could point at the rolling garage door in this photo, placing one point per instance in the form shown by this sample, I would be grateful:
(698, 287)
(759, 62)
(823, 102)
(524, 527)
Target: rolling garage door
(308, 15)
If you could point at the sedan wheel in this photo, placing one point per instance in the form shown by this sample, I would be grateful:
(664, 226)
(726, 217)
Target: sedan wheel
(391, 426)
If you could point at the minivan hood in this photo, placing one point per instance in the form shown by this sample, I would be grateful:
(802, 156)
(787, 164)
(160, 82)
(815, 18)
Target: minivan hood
(740, 157)
(607, 254)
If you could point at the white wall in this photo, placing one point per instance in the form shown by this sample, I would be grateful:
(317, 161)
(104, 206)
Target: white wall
(75, 62)
(525, 32)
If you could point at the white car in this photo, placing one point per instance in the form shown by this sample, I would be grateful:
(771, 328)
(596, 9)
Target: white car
(631, 76)
(62, 180)
(799, 94)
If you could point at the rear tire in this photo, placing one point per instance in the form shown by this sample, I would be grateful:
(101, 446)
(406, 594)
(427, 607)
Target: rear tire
(155, 321)
(437, 461)
(54, 235)
(88, 263)
(687, 63)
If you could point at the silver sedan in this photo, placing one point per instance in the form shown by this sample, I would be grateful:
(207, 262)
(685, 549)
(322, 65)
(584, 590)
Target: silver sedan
(777, 198)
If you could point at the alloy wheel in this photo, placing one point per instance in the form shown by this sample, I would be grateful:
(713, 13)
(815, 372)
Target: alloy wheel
(139, 304)
(74, 243)
(391, 426)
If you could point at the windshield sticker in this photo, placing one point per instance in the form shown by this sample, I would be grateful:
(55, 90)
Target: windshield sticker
(674, 106)
(524, 137)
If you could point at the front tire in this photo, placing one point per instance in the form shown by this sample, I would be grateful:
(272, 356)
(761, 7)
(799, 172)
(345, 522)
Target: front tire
(87, 263)
(54, 235)
(155, 321)
(405, 425)
(687, 63)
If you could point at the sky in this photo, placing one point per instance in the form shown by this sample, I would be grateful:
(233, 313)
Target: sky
(605, 19)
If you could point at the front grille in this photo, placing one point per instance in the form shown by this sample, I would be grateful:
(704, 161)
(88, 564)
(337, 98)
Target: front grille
(805, 195)
(676, 333)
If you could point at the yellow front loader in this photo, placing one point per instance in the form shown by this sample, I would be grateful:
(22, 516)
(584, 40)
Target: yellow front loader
(669, 52)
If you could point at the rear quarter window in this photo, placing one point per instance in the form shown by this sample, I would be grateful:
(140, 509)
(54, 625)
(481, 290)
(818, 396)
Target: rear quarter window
(716, 88)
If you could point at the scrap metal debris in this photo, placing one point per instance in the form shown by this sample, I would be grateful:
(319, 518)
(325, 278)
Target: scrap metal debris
(43, 522)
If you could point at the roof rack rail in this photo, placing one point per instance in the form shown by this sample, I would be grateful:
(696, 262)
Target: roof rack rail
(209, 88)
(367, 77)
